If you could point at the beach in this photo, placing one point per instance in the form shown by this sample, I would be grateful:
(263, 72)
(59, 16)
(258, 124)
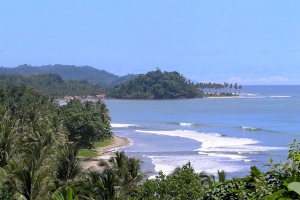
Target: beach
(105, 153)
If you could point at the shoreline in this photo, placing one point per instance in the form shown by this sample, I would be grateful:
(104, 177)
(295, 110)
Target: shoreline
(224, 97)
(105, 153)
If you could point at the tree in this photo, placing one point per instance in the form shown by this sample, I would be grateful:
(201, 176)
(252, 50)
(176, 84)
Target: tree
(156, 85)
(67, 165)
(235, 87)
(183, 183)
(240, 87)
(230, 86)
(86, 122)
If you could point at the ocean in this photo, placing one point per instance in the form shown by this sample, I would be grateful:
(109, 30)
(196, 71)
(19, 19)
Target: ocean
(230, 134)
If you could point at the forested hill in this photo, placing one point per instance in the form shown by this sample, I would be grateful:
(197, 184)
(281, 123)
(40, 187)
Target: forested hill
(53, 85)
(71, 72)
(156, 85)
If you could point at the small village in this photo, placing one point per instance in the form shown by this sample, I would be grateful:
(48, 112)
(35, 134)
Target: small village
(98, 96)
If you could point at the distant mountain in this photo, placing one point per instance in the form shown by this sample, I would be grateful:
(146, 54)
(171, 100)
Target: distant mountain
(53, 85)
(71, 72)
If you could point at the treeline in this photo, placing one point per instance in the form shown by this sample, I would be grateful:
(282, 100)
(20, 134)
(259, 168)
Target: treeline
(156, 85)
(54, 85)
(70, 72)
(39, 141)
(225, 88)
(153, 85)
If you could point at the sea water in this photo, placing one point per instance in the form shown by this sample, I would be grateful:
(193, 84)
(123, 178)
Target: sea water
(230, 134)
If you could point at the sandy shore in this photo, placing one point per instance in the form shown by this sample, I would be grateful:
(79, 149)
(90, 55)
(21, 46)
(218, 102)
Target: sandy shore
(106, 152)
(223, 97)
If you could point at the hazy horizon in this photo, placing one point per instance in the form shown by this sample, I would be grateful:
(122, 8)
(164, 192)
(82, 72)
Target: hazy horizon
(248, 42)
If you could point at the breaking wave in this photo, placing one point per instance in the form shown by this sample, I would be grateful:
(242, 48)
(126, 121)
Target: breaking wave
(122, 125)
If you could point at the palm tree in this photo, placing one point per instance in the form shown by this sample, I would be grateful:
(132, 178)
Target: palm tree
(92, 182)
(8, 139)
(206, 179)
(240, 87)
(69, 196)
(104, 112)
(221, 176)
(230, 86)
(29, 176)
(110, 181)
(67, 165)
(235, 87)
(226, 86)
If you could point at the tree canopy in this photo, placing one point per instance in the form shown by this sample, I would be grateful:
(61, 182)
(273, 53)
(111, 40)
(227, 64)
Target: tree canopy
(86, 122)
(54, 85)
(156, 85)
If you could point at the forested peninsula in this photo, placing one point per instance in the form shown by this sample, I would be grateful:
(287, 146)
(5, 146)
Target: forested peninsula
(156, 85)
(88, 82)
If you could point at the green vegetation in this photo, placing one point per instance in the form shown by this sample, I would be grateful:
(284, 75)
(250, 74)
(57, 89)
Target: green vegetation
(153, 85)
(40, 143)
(103, 143)
(70, 72)
(87, 153)
(156, 85)
(86, 122)
(54, 85)
(216, 89)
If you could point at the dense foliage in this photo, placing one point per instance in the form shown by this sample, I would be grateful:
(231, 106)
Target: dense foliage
(70, 72)
(37, 154)
(54, 85)
(86, 122)
(39, 144)
(156, 85)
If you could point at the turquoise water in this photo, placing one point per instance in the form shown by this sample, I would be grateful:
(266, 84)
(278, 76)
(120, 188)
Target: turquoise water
(228, 134)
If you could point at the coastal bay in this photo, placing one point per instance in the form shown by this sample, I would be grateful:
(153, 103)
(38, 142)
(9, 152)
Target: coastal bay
(230, 134)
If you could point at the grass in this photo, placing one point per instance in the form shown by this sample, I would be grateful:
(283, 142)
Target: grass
(103, 143)
(87, 153)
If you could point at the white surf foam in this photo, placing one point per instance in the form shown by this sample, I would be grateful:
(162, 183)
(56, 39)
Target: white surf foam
(167, 164)
(249, 128)
(186, 124)
(214, 142)
(231, 156)
(122, 125)
(216, 152)
(280, 96)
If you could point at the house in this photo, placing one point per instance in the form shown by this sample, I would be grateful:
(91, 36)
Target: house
(68, 97)
(100, 96)
(77, 97)
(90, 97)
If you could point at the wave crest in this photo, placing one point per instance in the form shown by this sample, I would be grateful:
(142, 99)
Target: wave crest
(122, 125)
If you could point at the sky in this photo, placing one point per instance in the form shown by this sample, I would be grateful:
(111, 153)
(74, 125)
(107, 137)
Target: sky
(249, 42)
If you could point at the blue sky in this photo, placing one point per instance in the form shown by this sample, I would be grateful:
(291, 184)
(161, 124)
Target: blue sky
(248, 42)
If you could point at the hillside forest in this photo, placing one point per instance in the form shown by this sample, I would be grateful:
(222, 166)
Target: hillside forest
(85, 81)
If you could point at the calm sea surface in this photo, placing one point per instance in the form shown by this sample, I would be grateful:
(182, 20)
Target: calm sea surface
(213, 134)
